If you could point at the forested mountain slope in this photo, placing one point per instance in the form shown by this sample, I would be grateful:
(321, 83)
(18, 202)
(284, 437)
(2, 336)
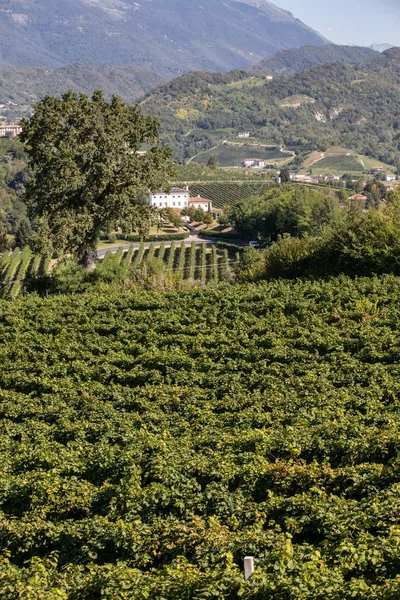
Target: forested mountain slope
(335, 104)
(289, 62)
(26, 85)
(168, 36)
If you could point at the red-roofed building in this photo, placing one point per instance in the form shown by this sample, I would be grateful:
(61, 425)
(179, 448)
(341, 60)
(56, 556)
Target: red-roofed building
(203, 203)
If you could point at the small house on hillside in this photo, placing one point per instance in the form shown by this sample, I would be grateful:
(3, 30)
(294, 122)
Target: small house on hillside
(256, 163)
(12, 129)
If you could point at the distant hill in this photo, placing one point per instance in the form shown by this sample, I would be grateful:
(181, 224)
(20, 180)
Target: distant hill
(25, 85)
(381, 47)
(355, 107)
(166, 36)
(289, 62)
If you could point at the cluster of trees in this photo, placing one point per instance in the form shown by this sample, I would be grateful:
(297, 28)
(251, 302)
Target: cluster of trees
(352, 241)
(294, 210)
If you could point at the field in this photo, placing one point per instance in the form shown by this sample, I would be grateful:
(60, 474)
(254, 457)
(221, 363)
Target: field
(340, 163)
(222, 194)
(337, 161)
(233, 154)
(194, 172)
(150, 442)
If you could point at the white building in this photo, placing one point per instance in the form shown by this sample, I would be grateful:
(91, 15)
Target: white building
(10, 128)
(177, 198)
(203, 203)
(257, 163)
(390, 178)
(244, 134)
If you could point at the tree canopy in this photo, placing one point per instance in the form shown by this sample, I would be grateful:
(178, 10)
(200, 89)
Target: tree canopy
(88, 169)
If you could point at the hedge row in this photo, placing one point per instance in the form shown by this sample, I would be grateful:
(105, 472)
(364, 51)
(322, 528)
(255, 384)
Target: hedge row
(211, 233)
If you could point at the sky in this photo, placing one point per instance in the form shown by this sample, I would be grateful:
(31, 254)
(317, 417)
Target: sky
(360, 22)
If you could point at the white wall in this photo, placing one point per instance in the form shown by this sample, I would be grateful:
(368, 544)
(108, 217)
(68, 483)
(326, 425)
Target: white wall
(177, 200)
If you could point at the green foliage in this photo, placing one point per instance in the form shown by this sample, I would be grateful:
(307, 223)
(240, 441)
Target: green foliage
(110, 269)
(289, 209)
(151, 441)
(251, 265)
(222, 194)
(213, 162)
(86, 170)
(360, 111)
(362, 243)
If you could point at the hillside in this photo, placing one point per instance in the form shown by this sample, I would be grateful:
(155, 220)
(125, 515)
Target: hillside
(289, 62)
(167, 36)
(150, 442)
(25, 85)
(335, 104)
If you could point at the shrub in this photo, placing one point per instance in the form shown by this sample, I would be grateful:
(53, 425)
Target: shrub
(251, 265)
(110, 269)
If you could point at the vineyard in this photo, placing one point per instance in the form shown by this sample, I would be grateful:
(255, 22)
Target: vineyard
(192, 262)
(15, 267)
(222, 194)
(150, 442)
(195, 262)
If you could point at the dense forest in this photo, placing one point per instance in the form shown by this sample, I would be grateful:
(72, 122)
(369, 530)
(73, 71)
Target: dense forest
(26, 85)
(14, 225)
(334, 104)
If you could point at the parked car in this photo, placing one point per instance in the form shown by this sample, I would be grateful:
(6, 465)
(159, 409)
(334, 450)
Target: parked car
(254, 244)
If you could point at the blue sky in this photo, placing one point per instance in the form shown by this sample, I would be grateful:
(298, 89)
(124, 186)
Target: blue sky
(360, 22)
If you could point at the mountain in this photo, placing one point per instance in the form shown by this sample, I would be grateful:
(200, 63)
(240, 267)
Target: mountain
(25, 85)
(355, 107)
(289, 62)
(381, 47)
(167, 36)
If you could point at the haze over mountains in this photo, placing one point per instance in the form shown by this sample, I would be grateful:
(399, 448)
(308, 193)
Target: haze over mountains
(166, 36)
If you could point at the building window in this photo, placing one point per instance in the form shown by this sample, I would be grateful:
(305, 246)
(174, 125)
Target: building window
(179, 203)
(173, 204)
(160, 203)
(166, 204)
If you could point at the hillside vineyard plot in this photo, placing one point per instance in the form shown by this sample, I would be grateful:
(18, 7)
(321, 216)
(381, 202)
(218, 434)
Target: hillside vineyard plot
(149, 442)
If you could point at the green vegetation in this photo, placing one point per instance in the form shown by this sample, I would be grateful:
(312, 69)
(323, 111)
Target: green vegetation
(86, 170)
(152, 441)
(13, 175)
(222, 194)
(296, 211)
(355, 107)
(232, 155)
(25, 86)
(23, 272)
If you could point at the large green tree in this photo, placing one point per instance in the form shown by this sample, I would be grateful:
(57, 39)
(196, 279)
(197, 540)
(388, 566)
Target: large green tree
(88, 169)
